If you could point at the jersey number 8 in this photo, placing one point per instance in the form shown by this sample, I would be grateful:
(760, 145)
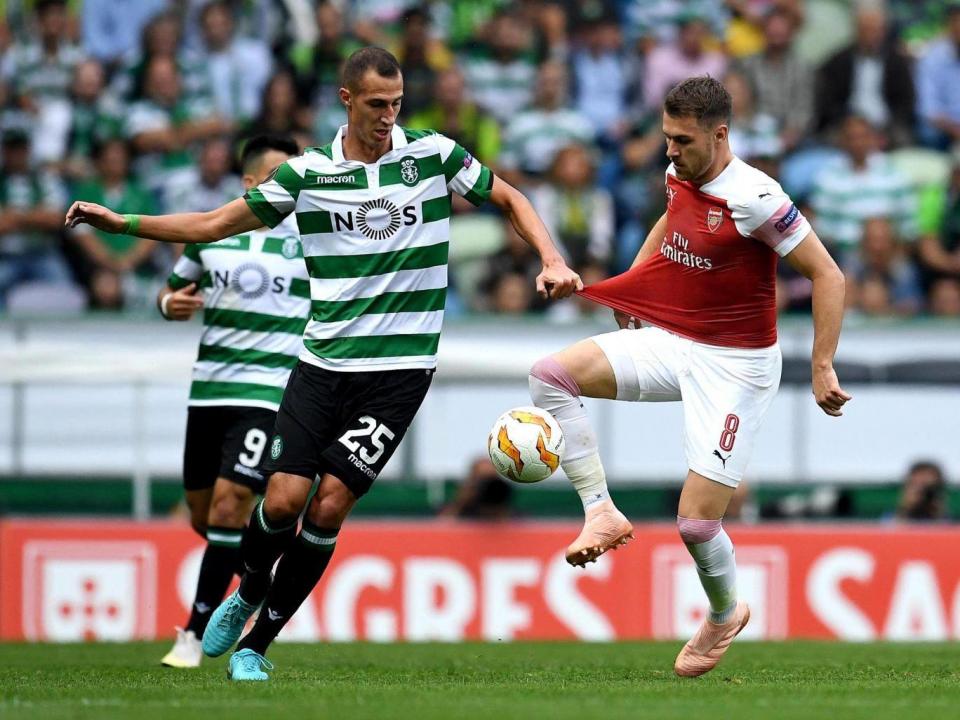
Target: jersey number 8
(729, 434)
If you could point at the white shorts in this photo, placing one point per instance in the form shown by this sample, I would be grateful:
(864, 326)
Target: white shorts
(725, 392)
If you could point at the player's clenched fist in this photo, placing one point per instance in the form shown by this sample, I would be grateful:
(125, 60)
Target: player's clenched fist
(557, 281)
(96, 216)
(181, 304)
(828, 393)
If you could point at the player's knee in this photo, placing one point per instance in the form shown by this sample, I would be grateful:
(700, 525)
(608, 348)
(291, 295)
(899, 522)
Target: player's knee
(281, 508)
(694, 531)
(285, 498)
(331, 508)
(230, 508)
(547, 376)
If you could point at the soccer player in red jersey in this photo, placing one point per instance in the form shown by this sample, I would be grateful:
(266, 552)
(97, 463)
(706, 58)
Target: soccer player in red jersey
(698, 318)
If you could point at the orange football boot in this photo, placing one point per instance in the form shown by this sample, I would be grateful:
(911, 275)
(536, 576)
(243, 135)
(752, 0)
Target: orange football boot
(605, 528)
(704, 650)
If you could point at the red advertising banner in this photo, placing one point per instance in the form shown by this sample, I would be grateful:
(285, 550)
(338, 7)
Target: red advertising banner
(439, 580)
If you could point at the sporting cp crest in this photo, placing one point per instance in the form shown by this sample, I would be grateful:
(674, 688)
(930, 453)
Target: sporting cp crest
(290, 248)
(714, 219)
(409, 172)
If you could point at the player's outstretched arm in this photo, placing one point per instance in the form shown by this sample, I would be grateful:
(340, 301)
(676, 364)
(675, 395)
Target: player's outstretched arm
(811, 259)
(231, 219)
(556, 280)
(179, 304)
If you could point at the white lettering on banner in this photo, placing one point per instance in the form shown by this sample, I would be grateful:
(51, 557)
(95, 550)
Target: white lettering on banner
(502, 613)
(848, 584)
(340, 601)
(570, 607)
(827, 600)
(425, 616)
(916, 609)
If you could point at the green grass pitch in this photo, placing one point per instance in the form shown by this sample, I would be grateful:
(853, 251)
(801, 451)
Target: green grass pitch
(488, 681)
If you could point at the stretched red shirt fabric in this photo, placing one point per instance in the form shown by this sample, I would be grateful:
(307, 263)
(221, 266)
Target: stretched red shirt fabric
(713, 277)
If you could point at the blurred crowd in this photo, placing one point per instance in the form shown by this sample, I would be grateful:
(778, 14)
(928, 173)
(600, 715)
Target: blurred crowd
(923, 496)
(853, 106)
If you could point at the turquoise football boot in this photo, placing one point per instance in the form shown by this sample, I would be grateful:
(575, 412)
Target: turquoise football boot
(248, 665)
(226, 625)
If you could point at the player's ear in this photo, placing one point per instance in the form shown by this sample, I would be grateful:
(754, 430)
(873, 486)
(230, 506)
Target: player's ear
(721, 133)
(345, 97)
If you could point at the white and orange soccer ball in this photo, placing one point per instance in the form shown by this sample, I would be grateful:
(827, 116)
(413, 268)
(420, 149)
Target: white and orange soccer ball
(526, 444)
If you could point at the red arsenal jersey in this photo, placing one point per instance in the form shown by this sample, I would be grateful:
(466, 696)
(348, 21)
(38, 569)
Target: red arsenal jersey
(713, 276)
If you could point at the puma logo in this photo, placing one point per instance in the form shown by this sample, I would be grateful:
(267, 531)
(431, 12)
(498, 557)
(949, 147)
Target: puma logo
(273, 615)
(763, 195)
(722, 458)
(202, 608)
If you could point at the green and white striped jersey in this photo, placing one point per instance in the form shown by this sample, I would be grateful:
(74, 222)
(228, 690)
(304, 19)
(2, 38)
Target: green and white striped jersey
(256, 302)
(375, 238)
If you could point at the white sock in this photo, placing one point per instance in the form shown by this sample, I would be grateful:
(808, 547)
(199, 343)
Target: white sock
(581, 460)
(588, 478)
(717, 568)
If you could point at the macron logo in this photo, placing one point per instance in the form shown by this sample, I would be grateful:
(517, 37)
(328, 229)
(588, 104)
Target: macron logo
(335, 180)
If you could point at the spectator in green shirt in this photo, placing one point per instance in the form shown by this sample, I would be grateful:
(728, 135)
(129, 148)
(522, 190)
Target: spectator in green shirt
(165, 125)
(95, 116)
(116, 264)
(31, 216)
(317, 66)
(459, 119)
(939, 247)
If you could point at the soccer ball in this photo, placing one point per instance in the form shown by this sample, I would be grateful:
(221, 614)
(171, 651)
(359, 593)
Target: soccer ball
(526, 444)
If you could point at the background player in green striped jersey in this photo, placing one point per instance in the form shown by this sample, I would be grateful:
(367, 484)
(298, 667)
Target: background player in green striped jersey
(255, 297)
(373, 210)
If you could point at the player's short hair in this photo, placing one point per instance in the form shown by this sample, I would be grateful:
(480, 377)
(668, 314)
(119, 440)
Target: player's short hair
(703, 98)
(369, 58)
(259, 145)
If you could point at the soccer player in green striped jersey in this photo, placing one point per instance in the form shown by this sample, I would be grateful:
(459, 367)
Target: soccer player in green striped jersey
(255, 295)
(373, 209)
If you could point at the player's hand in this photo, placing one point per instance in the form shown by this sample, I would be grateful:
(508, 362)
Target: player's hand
(625, 320)
(827, 391)
(556, 281)
(183, 303)
(96, 216)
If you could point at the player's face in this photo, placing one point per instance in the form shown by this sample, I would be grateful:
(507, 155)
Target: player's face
(372, 107)
(691, 147)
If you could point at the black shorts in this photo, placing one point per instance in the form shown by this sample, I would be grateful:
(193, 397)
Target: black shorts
(227, 441)
(347, 424)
